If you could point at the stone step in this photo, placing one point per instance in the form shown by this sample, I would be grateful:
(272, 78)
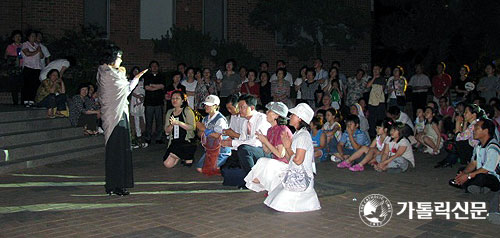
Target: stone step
(13, 139)
(19, 113)
(27, 150)
(28, 125)
(36, 161)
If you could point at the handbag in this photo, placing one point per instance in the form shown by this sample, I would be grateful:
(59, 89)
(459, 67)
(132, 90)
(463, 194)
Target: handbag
(296, 178)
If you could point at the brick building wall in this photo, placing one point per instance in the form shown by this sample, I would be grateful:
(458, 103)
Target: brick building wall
(54, 16)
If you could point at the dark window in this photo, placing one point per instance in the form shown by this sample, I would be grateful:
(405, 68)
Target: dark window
(96, 13)
(157, 17)
(214, 18)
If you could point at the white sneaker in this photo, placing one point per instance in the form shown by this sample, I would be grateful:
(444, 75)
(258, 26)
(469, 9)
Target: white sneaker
(100, 130)
(335, 159)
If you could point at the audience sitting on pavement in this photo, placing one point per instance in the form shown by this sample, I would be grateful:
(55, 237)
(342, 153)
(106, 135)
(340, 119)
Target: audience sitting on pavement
(319, 138)
(212, 126)
(367, 155)
(430, 139)
(265, 174)
(482, 174)
(249, 146)
(464, 140)
(52, 95)
(398, 153)
(352, 140)
(179, 127)
(363, 122)
(297, 195)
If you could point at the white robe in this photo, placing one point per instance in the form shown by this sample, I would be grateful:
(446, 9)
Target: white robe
(283, 200)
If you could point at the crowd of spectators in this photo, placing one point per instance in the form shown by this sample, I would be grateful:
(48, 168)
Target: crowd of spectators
(269, 123)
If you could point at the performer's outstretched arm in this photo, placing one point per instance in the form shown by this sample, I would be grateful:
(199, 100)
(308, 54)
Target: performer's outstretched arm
(135, 81)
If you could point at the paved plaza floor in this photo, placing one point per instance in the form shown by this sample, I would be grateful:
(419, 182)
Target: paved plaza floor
(67, 200)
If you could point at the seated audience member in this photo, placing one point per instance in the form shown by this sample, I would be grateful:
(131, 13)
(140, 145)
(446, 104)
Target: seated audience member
(363, 122)
(61, 65)
(398, 154)
(376, 148)
(280, 88)
(332, 129)
(179, 128)
(249, 147)
(321, 114)
(213, 125)
(431, 137)
(79, 115)
(265, 174)
(482, 174)
(352, 140)
(251, 87)
(299, 150)
(326, 101)
(319, 138)
(398, 116)
(51, 94)
(464, 129)
(234, 115)
(445, 110)
(419, 121)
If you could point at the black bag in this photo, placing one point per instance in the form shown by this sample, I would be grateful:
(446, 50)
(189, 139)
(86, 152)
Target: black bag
(232, 172)
(233, 176)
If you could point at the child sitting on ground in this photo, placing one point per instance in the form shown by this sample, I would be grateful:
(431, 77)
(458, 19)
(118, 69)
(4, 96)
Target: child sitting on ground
(376, 148)
(332, 128)
(397, 152)
(352, 140)
(420, 121)
(431, 136)
(318, 138)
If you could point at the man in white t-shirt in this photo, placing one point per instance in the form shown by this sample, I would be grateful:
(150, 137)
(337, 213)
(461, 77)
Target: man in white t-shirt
(46, 54)
(419, 84)
(60, 64)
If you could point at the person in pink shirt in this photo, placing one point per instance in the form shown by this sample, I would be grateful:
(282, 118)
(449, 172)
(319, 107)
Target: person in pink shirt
(14, 61)
(444, 108)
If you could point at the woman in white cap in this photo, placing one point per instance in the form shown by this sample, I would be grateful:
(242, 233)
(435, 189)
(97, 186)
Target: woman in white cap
(300, 152)
(212, 126)
(265, 173)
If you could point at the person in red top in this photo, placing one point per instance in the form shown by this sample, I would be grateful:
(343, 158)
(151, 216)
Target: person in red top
(445, 109)
(251, 87)
(441, 82)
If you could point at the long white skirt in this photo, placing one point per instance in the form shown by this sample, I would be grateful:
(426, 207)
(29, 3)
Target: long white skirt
(283, 200)
(268, 171)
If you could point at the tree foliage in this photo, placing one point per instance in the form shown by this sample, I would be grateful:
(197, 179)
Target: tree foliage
(312, 24)
(186, 45)
(429, 31)
(86, 46)
(191, 46)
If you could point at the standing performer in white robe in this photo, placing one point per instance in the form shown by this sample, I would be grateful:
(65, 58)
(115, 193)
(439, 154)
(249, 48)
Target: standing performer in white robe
(114, 89)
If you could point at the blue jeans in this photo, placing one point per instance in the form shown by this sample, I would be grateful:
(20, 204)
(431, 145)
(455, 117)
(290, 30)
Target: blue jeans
(248, 155)
(53, 101)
